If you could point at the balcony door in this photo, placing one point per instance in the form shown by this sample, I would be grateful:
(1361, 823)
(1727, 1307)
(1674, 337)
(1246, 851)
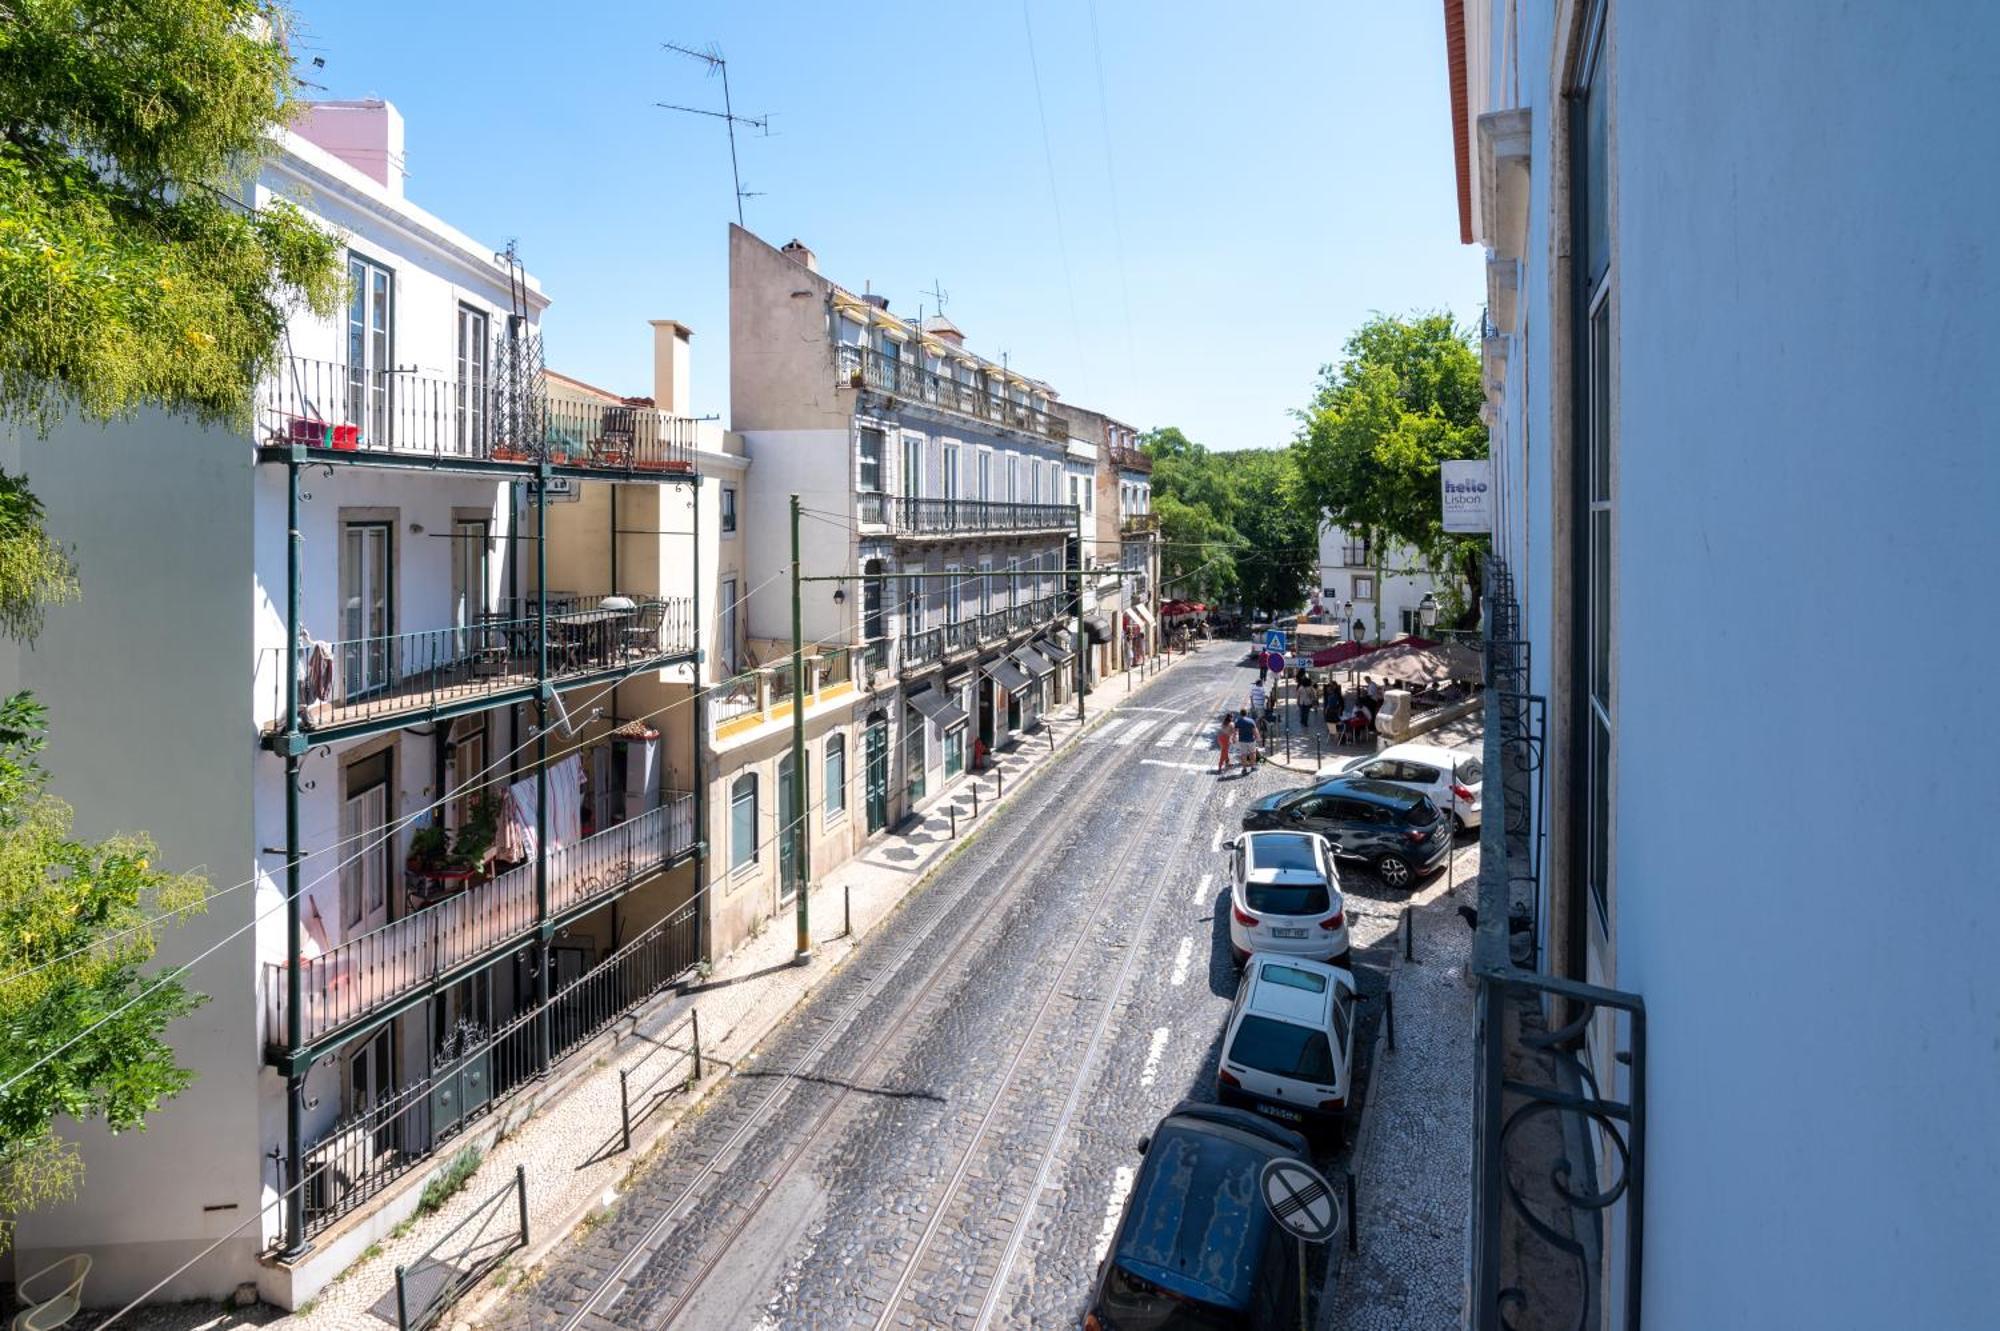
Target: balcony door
(364, 819)
(788, 845)
(370, 348)
(951, 479)
(913, 466)
(473, 347)
(367, 607)
(470, 565)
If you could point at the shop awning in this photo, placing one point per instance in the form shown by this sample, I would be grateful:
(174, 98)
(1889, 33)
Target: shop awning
(1097, 628)
(1008, 676)
(939, 707)
(1052, 649)
(1034, 663)
(1142, 614)
(1065, 638)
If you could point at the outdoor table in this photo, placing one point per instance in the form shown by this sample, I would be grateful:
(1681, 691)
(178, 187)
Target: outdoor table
(586, 635)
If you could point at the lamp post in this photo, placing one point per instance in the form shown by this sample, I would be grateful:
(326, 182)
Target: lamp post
(1347, 616)
(1427, 612)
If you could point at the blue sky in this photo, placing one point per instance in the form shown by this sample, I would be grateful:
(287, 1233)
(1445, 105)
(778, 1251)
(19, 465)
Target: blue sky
(1272, 176)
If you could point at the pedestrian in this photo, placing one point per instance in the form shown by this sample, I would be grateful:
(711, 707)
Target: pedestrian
(1307, 697)
(1258, 697)
(1334, 700)
(1246, 739)
(1222, 738)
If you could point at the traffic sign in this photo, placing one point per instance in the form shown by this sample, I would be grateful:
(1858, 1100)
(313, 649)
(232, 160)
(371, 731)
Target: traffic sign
(1274, 662)
(1300, 1200)
(1274, 640)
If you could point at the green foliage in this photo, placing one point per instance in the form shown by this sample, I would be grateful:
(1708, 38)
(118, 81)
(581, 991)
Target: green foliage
(75, 929)
(35, 572)
(1405, 398)
(451, 1180)
(128, 274)
(1233, 526)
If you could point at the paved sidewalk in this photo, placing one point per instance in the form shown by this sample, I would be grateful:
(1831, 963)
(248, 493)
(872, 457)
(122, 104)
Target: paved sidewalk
(570, 1149)
(1412, 1157)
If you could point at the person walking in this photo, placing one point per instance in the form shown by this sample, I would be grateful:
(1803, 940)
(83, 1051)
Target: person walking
(1246, 740)
(1222, 739)
(1258, 697)
(1308, 696)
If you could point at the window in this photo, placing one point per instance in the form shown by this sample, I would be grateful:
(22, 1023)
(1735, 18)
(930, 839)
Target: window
(727, 632)
(913, 753)
(835, 779)
(953, 599)
(983, 475)
(364, 879)
(872, 629)
(1364, 587)
(1282, 852)
(954, 752)
(367, 564)
(370, 348)
(869, 478)
(913, 606)
(472, 349)
(951, 471)
(1283, 1050)
(469, 576)
(1287, 898)
(728, 509)
(913, 466)
(743, 821)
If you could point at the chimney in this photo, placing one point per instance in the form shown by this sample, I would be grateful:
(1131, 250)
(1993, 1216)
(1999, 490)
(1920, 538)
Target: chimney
(367, 135)
(670, 366)
(798, 253)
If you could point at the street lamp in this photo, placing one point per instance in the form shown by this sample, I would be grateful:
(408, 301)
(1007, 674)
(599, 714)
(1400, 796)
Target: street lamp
(1427, 612)
(1347, 615)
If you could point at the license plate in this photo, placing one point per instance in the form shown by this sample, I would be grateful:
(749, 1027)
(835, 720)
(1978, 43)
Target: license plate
(1288, 933)
(1274, 1111)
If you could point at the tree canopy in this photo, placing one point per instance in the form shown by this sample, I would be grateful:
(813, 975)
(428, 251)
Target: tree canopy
(1405, 397)
(1233, 526)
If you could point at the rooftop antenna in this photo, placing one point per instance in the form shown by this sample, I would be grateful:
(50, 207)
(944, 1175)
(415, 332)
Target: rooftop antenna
(938, 294)
(712, 57)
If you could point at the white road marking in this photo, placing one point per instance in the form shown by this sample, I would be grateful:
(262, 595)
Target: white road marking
(1153, 1053)
(1204, 889)
(1215, 843)
(1172, 735)
(1105, 729)
(1140, 729)
(1134, 707)
(1182, 957)
(1182, 767)
(1228, 799)
(1114, 1207)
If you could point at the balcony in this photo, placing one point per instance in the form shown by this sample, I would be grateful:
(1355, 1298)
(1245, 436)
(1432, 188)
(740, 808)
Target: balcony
(1139, 524)
(339, 413)
(1559, 1095)
(864, 367)
(963, 517)
(759, 696)
(1129, 459)
(362, 976)
(946, 641)
(356, 685)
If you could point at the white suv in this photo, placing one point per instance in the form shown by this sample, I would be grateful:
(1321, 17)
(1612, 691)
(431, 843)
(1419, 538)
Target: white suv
(1288, 1051)
(1451, 777)
(1284, 897)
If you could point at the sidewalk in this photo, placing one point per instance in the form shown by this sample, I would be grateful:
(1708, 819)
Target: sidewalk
(1412, 1157)
(569, 1150)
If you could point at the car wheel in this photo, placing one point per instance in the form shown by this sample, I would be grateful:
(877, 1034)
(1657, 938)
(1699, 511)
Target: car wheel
(1458, 827)
(1395, 870)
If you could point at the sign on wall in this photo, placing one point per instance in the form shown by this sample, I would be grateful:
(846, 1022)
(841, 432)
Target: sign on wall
(1468, 495)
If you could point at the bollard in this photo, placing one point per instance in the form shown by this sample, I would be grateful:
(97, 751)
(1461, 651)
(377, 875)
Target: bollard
(521, 1194)
(847, 910)
(975, 799)
(999, 784)
(624, 1110)
(694, 1020)
(1353, 1243)
(952, 809)
(1316, 753)
(1051, 731)
(1389, 1015)
(1409, 935)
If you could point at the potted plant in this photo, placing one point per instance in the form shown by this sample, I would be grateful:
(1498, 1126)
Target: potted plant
(473, 845)
(431, 867)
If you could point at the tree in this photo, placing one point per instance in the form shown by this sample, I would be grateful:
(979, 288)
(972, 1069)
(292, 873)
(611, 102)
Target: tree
(1277, 526)
(132, 272)
(1405, 398)
(1198, 538)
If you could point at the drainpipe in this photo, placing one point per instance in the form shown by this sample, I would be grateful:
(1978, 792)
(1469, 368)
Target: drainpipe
(295, 1074)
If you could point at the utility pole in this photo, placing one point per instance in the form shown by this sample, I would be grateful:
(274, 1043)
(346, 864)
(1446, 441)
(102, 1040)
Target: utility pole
(797, 812)
(1082, 640)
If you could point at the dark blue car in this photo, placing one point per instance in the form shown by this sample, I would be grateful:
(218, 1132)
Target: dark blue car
(1196, 1250)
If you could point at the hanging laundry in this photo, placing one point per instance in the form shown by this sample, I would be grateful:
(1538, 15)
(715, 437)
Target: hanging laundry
(516, 840)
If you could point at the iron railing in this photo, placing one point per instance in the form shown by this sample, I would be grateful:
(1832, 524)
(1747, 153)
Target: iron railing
(361, 1155)
(488, 415)
(1139, 524)
(366, 679)
(927, 645)
(463, 1255)
(956, 517)
(360, 976)
(922, 647)
(1129, 459)
(1560, 1088)
(865, 367)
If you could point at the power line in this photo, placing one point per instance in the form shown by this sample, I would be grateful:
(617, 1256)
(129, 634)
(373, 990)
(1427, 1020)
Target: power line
(1055, 193)
(1111, 185)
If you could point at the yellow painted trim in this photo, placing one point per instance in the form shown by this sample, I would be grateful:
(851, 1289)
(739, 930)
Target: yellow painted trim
(840, 690)
(739, 725)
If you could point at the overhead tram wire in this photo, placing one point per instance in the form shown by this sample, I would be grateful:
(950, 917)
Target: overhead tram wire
(1055, 193)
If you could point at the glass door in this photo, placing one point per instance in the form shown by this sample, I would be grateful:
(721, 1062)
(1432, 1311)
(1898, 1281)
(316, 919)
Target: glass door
(878, 776)
(469, 569)
(472, 352)
(364, 879)
(366, 610)
(788, 846)
(370, 317)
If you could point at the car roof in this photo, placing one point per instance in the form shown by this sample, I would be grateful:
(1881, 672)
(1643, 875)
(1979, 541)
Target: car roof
(1196, 1223)
(1430, 753)
(1272, 997)
(1266, 835)
(1368, 788)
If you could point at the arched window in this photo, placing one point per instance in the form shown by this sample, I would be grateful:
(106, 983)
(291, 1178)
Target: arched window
(743, 821)
(835, 787)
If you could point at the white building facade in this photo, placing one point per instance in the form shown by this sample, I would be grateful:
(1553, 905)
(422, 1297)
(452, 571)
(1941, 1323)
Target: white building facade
(1373, 589)
(1740, 276)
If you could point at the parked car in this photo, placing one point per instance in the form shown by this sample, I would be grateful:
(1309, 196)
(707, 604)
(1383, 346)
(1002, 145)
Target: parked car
(1391, 827)
(1288, 1050)
(1284, 897)
(1196, 1248)
(1451, 777)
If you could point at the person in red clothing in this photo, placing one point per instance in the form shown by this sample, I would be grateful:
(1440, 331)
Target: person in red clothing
(1222, 740)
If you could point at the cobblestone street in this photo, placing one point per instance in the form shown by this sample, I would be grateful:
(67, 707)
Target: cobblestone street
(936, 1136)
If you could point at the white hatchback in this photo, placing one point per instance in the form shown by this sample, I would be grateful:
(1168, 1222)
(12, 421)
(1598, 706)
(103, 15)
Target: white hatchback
(1451, 777)
(1284, 897)
(1288, 1050)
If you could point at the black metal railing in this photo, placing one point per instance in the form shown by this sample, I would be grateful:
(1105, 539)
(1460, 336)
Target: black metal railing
(897, 376)
(361, 1155)
(360, 976)
(922, 647)
(961, 635)
(463, 1255)
(1560, 1087)
(1139, 524)
(487, 415)
(365, 679)
(1128, 459)
(952, 517)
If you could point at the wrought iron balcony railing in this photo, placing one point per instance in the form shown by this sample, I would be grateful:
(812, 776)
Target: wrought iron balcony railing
(965, 635)
(336, 408)
(922, 647)
(363, 680)
(1559, 1061)
(864, 367)
(963, 517)
(1139, 524)
(1129, 459)
(360, 976)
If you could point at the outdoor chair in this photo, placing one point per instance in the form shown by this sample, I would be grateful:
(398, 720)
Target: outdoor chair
(641, 637)
(53, 1294)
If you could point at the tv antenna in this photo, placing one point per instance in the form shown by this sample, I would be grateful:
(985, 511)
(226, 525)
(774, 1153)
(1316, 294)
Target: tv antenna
(762, 124)
(938, 294)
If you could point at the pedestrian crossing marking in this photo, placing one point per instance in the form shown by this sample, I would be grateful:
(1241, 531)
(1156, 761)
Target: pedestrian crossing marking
(1172, 735)
(1107, 728)
(1139, 730)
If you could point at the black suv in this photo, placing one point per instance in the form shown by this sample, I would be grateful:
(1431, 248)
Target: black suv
(1393, 828)
(1196, 1249)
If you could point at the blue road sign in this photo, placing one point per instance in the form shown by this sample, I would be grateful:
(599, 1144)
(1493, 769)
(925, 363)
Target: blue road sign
(1274, 640)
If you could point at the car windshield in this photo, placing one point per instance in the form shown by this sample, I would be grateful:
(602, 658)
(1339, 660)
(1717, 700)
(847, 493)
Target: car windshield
(1287, 898)
(1138, 1303)
(1282, 852)
(1282, 1049)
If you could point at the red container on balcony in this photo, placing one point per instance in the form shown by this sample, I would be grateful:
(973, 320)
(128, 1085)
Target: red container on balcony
(347, 438)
